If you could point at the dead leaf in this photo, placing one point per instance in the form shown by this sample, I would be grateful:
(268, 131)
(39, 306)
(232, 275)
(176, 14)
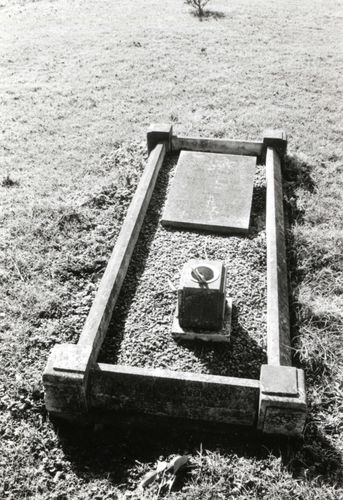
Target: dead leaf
(177, 462)
(153, 475)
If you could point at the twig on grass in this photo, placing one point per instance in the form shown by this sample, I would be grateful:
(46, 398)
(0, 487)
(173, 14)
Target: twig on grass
(16, 267)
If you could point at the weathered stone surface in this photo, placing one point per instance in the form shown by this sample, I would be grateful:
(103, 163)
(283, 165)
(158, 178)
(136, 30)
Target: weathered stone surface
(223, 335)
(226, 146)
(280, 380)
(278, 327)
(201, 303)
(282, 402)
(64, 382)
(211, 192)
(167, 393)
(284, 421)
(71, 358)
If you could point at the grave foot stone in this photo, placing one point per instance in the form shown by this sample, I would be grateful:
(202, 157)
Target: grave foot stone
(282, 408)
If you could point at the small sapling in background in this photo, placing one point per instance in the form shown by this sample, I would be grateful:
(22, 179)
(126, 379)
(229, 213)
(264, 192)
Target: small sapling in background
(198, 5)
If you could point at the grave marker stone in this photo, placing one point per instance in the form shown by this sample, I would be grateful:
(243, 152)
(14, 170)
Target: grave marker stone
(201, 296)
(203, 311)
(211, 192)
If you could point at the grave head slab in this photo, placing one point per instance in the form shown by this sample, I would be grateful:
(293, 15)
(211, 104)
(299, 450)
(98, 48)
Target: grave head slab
(211, 192)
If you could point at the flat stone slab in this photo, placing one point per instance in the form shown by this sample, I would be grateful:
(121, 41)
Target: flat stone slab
(211, 192)
(223, 335)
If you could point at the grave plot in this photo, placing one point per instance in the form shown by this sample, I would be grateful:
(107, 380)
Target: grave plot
(140, 333)
(146, 371)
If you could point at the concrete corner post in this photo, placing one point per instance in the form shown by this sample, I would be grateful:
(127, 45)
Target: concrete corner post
(276, 139)
(159, 133)
(65, 381)
(282, 400)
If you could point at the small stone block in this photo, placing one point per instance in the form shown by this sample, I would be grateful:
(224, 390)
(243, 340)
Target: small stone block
(201, 304)
(223, 335)
(211, 192)
(279, 380)
(277, 139)
(64, 381)
(159, 133)
(282, 408)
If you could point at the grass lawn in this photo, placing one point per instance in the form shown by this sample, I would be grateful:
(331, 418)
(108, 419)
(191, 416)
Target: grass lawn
(80, 82)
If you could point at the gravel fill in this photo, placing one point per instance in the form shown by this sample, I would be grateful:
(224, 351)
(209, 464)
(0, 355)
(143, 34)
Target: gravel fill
(140, 332)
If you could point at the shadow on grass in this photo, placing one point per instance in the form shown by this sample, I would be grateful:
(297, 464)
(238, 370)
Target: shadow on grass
(316, 457)
(296, 174)
(209, 14)
(123, 451)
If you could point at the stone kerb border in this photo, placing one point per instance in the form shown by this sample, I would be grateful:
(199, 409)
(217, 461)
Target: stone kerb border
(77, 386)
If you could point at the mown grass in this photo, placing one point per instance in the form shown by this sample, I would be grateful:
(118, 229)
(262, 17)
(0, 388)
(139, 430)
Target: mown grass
(80, 83)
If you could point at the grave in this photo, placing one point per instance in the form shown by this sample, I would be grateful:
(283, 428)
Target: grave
(78, 387)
